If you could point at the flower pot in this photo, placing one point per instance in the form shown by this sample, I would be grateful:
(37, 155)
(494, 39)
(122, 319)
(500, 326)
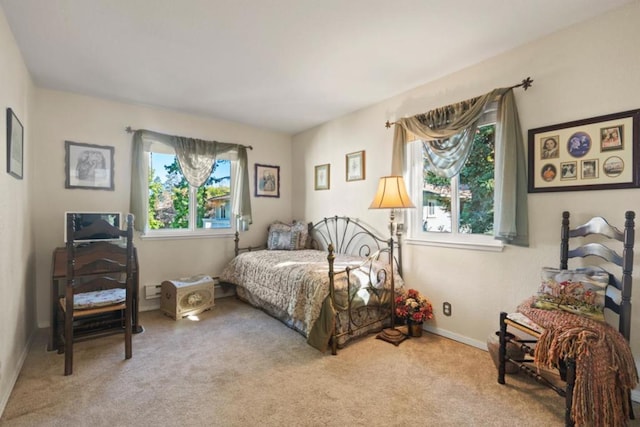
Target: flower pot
(415, 329)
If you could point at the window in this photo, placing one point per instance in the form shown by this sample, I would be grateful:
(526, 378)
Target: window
(457, 210)
(177, 208)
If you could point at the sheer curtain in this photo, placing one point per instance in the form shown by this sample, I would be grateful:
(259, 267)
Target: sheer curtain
(196, 158)
(448, 133)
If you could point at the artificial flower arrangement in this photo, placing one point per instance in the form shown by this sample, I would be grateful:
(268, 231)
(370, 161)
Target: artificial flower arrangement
(413, 307)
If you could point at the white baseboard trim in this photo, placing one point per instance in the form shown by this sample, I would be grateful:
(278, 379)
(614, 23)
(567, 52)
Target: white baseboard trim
(457, 337)
(4, 398)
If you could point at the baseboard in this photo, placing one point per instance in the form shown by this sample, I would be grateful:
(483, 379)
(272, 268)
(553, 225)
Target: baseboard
(4, 398)
(456, 337)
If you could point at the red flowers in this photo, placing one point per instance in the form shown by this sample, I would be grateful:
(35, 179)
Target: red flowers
(413, 306)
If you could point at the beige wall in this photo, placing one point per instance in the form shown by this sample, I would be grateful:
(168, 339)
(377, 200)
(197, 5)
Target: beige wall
(64, 116)
(17, 281)
(589, 70)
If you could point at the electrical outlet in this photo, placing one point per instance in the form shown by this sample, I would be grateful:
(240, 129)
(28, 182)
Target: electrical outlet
(446, 308)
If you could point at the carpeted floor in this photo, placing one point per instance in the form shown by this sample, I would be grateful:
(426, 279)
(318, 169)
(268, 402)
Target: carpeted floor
(236, 366)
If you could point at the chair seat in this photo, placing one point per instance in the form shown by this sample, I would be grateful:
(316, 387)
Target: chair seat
(87, 303)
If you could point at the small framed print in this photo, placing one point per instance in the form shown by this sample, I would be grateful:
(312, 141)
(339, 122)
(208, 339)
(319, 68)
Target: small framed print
(322, 177)
(267, 181)
(550, 147)
(611, 138)
(613, 166)
(592, 154)
(15, 145)
(355, 166)
(569, 170)
(88, 166)
(589, 169)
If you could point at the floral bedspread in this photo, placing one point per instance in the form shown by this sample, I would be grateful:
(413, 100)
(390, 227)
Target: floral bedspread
(296, 283)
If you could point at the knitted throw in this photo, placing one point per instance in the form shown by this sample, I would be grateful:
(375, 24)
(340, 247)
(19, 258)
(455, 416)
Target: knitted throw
(605, 369)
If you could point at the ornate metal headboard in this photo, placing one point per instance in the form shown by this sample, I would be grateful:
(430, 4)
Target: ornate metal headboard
(350, 236)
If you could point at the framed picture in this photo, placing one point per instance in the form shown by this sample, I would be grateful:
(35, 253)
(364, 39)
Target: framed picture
(88, 166)
(611, 138)
(355, 166)
(591, 154)
(15, 145)
(267, 181)
(322, 176)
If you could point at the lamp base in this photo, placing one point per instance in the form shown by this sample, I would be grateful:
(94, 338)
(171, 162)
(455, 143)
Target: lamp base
(392, 335)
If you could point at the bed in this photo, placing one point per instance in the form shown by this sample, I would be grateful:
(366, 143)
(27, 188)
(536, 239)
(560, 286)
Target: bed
(330, 280)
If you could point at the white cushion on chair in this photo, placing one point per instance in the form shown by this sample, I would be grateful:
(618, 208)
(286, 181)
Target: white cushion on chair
(95, 299)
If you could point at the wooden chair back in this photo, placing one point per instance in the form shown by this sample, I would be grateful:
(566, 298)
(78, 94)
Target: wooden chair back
(89, 269)
(618, 301)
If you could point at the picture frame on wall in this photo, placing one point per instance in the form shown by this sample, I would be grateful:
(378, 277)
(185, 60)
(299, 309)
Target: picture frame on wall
(598, 153)
(322, 177)
(355, 166)
(267, 180)
(15, 145)
(89, 166)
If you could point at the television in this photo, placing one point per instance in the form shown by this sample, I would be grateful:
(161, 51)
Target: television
(87, 219)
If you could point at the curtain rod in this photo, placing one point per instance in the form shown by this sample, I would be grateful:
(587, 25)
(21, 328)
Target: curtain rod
(525, 84)
(129, 129)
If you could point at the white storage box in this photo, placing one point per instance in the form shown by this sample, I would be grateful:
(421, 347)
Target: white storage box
(187, 296)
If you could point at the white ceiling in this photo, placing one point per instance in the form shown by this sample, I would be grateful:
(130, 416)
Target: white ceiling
(286, 65)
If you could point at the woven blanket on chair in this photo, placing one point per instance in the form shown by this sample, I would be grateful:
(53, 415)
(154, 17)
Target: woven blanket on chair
(605, 369)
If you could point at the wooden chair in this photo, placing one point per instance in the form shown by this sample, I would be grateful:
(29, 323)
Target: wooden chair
(100, 303)
(617, 299)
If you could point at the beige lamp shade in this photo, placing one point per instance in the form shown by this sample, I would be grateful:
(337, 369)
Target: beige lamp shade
(391, 194)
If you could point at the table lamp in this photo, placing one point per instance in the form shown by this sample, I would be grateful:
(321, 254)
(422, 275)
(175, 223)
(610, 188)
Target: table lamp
(392, 194)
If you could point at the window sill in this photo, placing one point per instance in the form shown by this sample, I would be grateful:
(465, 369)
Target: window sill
(186, 235)
(486, 246)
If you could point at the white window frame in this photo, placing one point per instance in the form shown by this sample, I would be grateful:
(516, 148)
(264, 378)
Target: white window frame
(192, 231)
(454, 239)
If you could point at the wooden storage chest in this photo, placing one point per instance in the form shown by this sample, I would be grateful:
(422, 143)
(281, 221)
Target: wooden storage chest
(187, 296)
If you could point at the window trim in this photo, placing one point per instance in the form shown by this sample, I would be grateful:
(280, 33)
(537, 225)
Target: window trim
(454, 239)
(184, 234)
(191, 232)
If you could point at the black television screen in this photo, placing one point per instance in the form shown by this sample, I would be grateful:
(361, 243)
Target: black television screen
(86, 219)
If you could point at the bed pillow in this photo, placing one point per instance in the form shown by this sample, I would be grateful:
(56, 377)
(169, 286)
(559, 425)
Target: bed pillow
(289, 237)
(301, 234)
(580, 291)
(280, 240)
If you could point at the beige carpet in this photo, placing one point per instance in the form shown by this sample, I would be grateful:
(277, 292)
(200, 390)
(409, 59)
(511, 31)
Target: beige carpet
(237, 366)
